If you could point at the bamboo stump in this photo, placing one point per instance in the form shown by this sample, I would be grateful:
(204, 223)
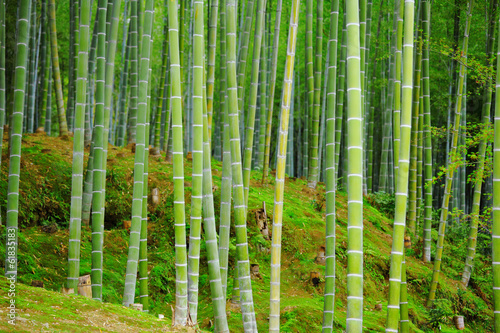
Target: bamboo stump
(407, 242)
(85, 286)
(315, 278)
(254, 269)
(155, 197)
(459, 322)
(320, 258)
(67, 291)
(261, 219)
(136, 306)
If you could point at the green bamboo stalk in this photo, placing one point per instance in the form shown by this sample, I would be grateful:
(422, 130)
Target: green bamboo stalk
(453, 159)
(178, 170)
(2, 76)
(239, 196)
(41, 98)
(354, 173)
(111, 38)
(133, 76)
(30, 107)
(309, 61)
(78, 150)
(161, 95)
(212, 42)
(427, 135)
(20, 77)
(403, 303)
(63, 126)
(214, 271)
(122, 98)
(397, 251)
(73, 59)
(412, 200)
(315, 101)
(420, 148)
(397, 86)
(263, 100)
(272, 85)
(48, 112)
(496, 203)
(250, 114)
(143, 245)
(242, 63)
(225, 201)
(330, 174)
(476, 199)
(386, 157)
(96, 170)
(274, 311)
(90, 89)
(140, 155)
(339, 112)
(197, 155)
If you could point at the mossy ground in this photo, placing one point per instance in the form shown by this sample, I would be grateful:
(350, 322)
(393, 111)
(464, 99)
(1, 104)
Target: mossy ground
(45, 199)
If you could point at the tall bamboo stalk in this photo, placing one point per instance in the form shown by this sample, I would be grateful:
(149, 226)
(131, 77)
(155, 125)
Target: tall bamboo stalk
(20, 76)
(197, 155)
(63, 126)
(225, 201)
(427, 135)
(237, 175)
(212, 42)
(133, 76)
(330, 174)
(354, 173)
(252, 103)
(316, 104)
(496, 203)
(97, 172)
(476, 199)
(272, 84)
(181, 284)
(453, 159)
(397, 86)
(242, 64)
(397, 251)
(274, 311)
(139, 163)
(78, 150)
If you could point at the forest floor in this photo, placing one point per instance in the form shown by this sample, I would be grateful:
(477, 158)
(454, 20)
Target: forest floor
(45, 192)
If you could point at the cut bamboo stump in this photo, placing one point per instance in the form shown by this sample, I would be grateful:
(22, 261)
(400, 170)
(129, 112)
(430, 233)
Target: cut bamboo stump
(85, 286)
(315, 278)
(67, 291)
(254, 269)
(155, 196)
(136, 306)
(407, 242)
(261, 219)
(320, 258)
(459, 322)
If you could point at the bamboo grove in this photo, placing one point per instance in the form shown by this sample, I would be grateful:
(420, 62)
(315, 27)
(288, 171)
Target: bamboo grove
(343, 94)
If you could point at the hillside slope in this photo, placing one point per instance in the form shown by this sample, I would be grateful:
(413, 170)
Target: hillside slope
(44, 201)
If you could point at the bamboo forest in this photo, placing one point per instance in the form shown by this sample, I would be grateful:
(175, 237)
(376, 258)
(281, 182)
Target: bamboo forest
(246, 165)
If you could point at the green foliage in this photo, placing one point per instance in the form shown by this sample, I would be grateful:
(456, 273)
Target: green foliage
(383, 201)
(439, 313)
